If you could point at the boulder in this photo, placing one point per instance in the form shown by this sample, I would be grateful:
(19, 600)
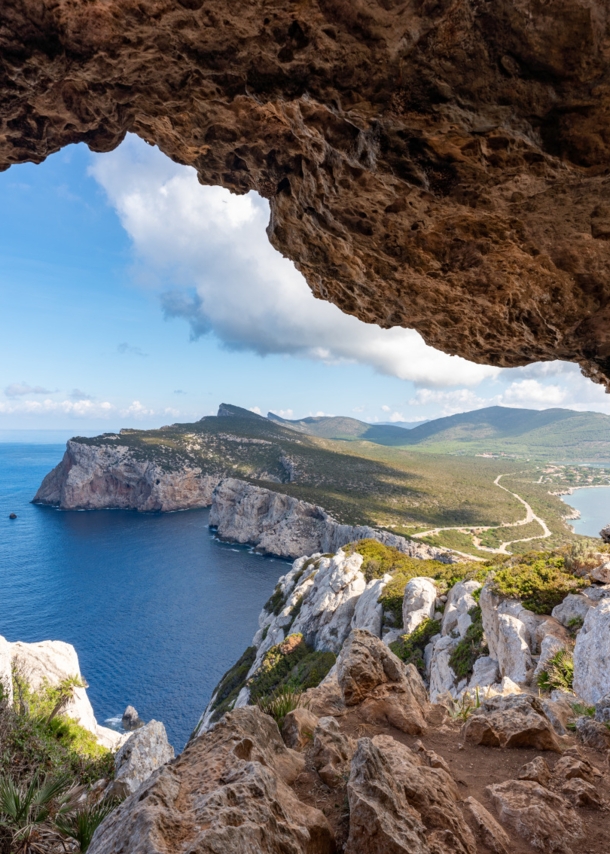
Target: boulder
(602, 709)
(601, 573)
(511, 722)
(332, 753)
(510, 630)
(459, 602)
(542, 818)
(605, 533)
(442, 677)
(582, 794)
(369, 611)
(326, 698)
(131, 719)
(371, 676)
(570, 767)
(144, 751)
(593, 734)
(549, 647)
(536, 770)
(418, 603)
(559, 710)
(492, 834)
(298, 728)
(227, 792)
(398, 804)
(592, 655)
(574, 607)
(484, 672)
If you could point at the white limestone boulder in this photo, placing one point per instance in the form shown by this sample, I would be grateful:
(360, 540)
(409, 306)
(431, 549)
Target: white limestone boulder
(6, 677)
(442, 676)
(368, 613)
(574, 607)
(510, 630)
(418, 603)
(459, 602)
(144, 751)
(592, 655)
(484, 672)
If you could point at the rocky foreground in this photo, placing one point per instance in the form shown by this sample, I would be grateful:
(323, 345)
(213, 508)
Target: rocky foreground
(435, 736)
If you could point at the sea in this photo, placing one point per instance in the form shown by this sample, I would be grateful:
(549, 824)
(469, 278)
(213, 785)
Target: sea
(156, 607)
(593, 504)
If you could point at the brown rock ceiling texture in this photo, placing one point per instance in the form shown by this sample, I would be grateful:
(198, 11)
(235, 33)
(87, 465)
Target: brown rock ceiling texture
(436, 164)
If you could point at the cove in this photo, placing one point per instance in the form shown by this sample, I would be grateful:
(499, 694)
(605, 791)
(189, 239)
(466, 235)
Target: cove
(155, 606)
(593, 504)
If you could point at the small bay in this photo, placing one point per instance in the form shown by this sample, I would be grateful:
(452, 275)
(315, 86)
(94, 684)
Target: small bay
(156, 608)
(593, 504)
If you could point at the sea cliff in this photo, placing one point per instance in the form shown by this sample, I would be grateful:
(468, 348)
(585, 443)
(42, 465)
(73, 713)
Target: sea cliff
(97, 477)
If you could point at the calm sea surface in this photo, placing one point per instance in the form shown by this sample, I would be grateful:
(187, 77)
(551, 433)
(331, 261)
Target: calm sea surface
(157, 609)
(594, 507)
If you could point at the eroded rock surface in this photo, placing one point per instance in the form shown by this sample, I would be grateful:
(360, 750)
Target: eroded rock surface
(143, 752)
(441, 166)
(228, 791)
(592, 654)
(514, 721)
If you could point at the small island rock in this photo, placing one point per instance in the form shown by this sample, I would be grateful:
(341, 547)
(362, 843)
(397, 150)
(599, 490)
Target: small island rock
(131, 719)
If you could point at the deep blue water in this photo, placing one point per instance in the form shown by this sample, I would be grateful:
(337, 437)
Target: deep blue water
(156, 607)
(594, 506)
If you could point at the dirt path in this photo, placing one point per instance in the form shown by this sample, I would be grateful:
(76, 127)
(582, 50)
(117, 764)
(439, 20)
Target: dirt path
(530, 516)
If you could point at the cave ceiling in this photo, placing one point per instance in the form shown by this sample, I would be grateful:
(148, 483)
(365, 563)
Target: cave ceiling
(436, 164)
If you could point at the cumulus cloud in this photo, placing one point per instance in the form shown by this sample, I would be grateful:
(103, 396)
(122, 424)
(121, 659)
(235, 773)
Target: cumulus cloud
(126, 348)
(208, 253)
(284, 413)
(22, 389)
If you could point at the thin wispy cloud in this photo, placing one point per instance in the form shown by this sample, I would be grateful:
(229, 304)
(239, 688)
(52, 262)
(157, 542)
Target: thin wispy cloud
(23, 389)
(128, 349)
(77, 394)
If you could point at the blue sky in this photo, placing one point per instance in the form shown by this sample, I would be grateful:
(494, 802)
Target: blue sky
(132, 296)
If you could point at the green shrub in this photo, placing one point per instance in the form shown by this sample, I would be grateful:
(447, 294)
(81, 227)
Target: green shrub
(282, 701)
(470, 647)
(539, 580)
(276, 601)
(290, 664)
(294, 613)
(410, 648)
(231, 683)
(559, 672)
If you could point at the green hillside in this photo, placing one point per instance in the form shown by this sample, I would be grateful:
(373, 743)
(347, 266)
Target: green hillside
(550, 434)
(361, 482)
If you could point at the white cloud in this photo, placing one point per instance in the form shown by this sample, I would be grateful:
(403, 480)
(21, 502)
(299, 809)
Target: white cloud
(531, 394)
(79, 408)
(256, 410)
(21, 389)
(283, 413)
(460, 400)
(396, 416)
(386, 409)
(137, 410)
(207, 251)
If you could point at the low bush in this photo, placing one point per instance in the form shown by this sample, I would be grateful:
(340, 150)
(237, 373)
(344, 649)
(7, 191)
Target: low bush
(559, 672)
(410, 648)
(282, 701)
(231, 683)
(470, 647)
(292, 665)
(540, 580)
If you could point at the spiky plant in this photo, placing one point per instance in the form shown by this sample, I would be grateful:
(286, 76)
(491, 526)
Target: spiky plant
(82, 823)
(281, 702)
(26, 810)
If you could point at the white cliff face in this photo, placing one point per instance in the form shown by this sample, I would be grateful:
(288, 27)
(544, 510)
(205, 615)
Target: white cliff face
(369, 610)
(6, 678)
(93, 477)
(50, 663)
(459, 602)
(418, 603)
(510, 630)
(283, 525)
(592, 655)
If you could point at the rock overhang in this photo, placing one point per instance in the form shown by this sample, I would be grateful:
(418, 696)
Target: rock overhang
(442, 166)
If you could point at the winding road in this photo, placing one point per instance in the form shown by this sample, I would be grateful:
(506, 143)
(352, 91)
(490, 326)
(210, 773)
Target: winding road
(530, 516)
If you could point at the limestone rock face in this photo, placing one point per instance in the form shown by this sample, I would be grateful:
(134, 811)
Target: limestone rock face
(228, 791)
(131, 719)
(493, 835)
(92, 477)
(442, 675)
(369, 611)
(332, 752)
(144, 751)
(386, 690)
(515, 721)
(51, 662)
(592, 655)
(459, 602)
(6, 677)
(418, 603)
(411, 155)
(398, 804)
(283, 525)
(543, 818)
(510, 630)
(574, 607)
(298, 728)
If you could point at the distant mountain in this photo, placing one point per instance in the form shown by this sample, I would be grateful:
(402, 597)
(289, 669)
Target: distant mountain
(339, 427)
(552, 434)
(406, 425)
